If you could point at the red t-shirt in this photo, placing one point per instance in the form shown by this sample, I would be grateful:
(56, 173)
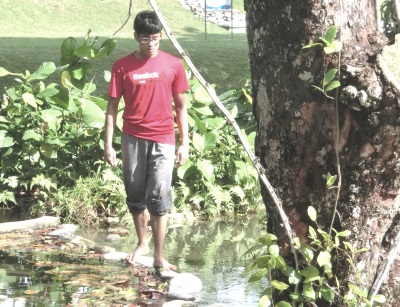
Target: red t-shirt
(147, 86)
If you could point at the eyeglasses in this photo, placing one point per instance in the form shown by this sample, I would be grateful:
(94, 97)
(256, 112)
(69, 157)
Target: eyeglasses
(147, 40)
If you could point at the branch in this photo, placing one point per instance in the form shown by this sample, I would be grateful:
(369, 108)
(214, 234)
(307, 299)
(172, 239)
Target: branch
(243, 140)
(384, 269)
(127, 19)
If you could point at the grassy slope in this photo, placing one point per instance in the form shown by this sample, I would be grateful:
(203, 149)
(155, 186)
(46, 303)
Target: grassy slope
(31, 32)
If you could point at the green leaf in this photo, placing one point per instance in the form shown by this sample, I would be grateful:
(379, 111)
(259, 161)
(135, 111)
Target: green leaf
(202, 109)
(265, 301)
(201, 95)
(297, 297)
(274, 250)
(309, 292)
(106, 48)
(283, 304)
(4, 72)
(330, 34)
(68, 48)
(257, 275)
(329, 76)
(206, 168)
(5, 141)
(210, 141)
(46, 150)
(267, 239)
(50, 116)
(344, 233)
(92, 115)
(29, 99)
(308, 253)
(312, 45)
(198, 142)
(279, 285)
(31, 135)
(312, 213)
(324, 258)
(379, 298)
(310, 271)
(330, 180)
(44, 70)
(327, 294)
(313, 233)
(182, 169)
(85, 52)
(331, 86)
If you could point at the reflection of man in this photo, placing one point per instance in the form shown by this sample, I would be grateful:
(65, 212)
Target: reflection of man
(148, 80)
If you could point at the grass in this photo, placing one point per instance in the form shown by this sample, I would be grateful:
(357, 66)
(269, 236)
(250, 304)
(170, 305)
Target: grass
(31, 32)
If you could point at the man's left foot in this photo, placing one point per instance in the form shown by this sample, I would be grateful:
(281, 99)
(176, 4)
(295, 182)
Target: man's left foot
(164, 264)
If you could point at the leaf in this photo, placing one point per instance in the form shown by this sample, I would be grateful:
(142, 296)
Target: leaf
(257, 275)
(328, 77)
(29, 99)
(46, 150)
(5, 141)
(182, 169)
(198, 142)
(68, 48)
(31, 135)
(309, 292)
(44, 70)
(202, 109)
(379, 298)
(274, 250)
(279, 285)
(92, 115)
(210, 141)
(265, 301)
(312, 213)
(330, 34)
(84, 52)
(206, 168)
(331, 86)
(310, 271)
(267, 239)
(297, 297)
(327, 294)
(312, 45)
(4, 72)
(283, 304)
(201, 94)
(324, 258)
(344, 233)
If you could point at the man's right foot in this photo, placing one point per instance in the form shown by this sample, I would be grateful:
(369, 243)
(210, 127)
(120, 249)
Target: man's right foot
(140, 250)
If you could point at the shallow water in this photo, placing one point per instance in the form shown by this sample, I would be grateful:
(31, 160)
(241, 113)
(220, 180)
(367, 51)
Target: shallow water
(212, 250)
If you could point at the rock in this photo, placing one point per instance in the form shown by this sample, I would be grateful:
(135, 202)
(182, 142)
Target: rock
(185, 286)
(113, 221)
(113, 237)
(72, 228)
(116, 256)
(180, 303)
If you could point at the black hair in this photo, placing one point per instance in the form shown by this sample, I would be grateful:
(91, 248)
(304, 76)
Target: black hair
(147, 23)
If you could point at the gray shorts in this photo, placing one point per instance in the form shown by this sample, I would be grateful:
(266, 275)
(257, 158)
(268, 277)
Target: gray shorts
(147, 168)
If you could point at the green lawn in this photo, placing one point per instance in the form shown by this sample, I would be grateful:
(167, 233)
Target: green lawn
(31, 32)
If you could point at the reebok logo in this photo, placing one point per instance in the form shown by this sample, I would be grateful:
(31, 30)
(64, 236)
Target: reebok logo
(147, 75)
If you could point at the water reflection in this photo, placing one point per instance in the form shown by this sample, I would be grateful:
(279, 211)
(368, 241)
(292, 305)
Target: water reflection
(213, 251)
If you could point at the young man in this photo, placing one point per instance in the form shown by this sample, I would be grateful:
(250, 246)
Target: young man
(148, 80)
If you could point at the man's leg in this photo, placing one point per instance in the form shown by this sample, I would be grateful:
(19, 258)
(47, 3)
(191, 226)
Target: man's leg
(159, 229)
(140, 220)
(134, 161)
(159, 198)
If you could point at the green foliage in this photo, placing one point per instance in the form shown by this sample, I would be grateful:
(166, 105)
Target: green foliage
(90, 201)
(218, 177)
(314, 282)
(52, 131)
(329, 46)
(391, 26)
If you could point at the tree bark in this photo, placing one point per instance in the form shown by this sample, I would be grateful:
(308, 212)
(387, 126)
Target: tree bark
(302, 133)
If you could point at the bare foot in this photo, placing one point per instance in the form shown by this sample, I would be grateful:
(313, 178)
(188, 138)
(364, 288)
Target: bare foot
(140, 250)
(164, 264)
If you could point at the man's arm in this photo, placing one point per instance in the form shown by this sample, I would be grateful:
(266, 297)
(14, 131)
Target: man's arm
(111, 118)
(182, 122)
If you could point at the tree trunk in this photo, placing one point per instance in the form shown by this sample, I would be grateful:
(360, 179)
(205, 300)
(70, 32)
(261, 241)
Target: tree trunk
(302, 133)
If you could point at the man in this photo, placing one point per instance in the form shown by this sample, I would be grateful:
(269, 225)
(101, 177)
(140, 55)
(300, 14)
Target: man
(148, 80)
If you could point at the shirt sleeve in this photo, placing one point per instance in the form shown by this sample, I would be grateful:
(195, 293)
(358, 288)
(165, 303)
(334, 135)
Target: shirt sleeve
(181, 83)
(115, 89)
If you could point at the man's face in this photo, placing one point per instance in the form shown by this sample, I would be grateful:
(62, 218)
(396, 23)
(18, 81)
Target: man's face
(149, 44)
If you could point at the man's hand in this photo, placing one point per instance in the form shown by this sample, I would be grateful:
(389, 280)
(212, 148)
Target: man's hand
(182, 154)
(110, 156)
